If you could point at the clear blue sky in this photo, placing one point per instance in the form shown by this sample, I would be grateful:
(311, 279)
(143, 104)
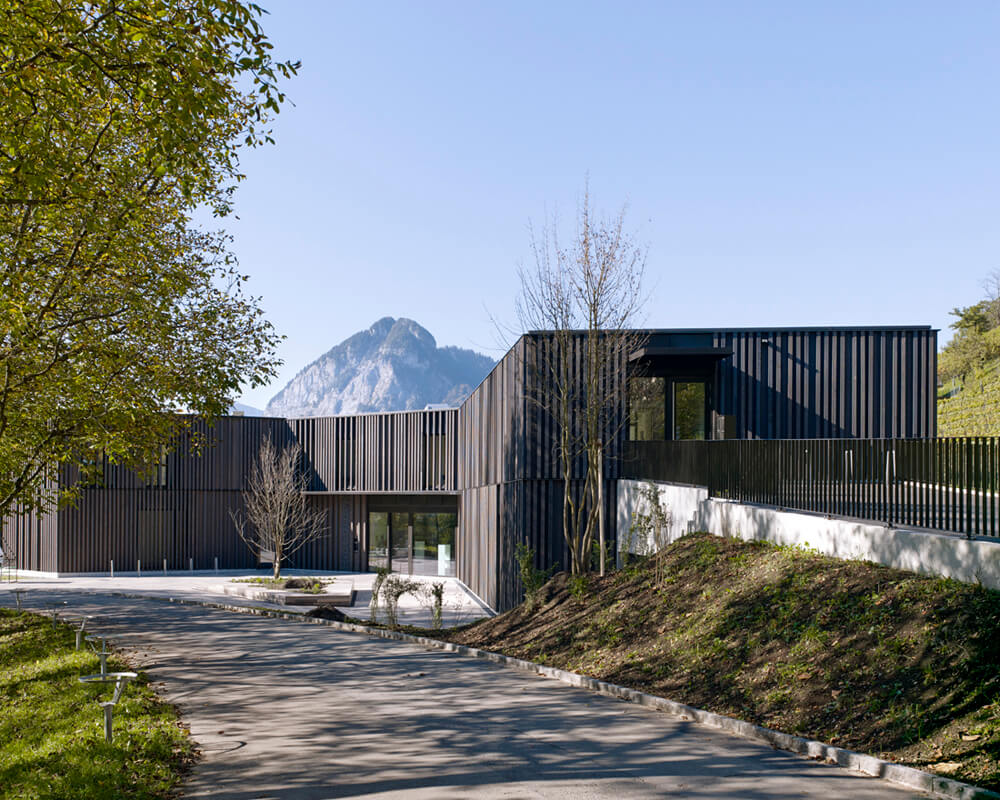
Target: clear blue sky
(786, 163)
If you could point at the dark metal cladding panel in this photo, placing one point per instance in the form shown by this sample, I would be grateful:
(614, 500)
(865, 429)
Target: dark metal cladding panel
(846, 383)
(479, 533)
(402, 452)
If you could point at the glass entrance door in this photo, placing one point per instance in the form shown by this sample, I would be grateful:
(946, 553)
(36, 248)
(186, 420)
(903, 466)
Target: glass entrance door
(378, 539)
(420, 543)
(434, 544)
(401, 533)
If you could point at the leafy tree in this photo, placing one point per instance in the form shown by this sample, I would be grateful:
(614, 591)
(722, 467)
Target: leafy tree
(977, 335)
(118, 120)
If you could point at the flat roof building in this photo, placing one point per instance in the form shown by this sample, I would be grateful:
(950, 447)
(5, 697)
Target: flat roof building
(453, 491)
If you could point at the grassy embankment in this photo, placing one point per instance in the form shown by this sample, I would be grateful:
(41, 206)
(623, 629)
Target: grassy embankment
(51, 727)
(869, 658)
(971, 407)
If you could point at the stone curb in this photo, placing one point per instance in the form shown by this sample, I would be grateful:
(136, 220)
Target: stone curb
(911, 778)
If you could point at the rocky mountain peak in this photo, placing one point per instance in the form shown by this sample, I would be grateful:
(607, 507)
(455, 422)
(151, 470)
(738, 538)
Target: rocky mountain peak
(394, 365)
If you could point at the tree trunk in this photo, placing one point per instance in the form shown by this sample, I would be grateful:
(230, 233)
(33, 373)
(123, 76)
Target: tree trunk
(600, 502)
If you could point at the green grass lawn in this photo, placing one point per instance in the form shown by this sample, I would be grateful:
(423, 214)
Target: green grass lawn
(51, 727)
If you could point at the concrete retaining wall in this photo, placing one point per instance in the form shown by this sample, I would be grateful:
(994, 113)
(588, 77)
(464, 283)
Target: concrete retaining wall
(691, 509)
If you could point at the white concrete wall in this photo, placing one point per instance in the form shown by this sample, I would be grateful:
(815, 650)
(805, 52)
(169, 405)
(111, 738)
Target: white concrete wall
(691, 509)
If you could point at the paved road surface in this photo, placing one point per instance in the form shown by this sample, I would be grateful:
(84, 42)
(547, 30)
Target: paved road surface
(284, 709)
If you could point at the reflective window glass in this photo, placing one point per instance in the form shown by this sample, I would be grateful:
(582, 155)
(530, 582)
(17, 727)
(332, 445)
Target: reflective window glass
(647, 409)
(689, 410)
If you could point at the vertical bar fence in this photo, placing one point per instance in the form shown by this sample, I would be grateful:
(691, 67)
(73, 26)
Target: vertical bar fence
(945, 484)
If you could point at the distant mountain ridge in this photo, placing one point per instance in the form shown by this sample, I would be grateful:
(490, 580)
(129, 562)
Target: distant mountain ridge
(395, 365)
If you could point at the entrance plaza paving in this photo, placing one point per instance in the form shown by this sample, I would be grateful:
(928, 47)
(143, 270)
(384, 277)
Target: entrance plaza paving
(459, 604)
(284, 709)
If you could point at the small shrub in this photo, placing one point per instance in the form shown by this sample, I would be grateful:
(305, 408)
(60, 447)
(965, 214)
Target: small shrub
(532, 578)
(578, 585)
(595, 555)
(380, 577)
(437, 610)
(393, 588)
(651, 523)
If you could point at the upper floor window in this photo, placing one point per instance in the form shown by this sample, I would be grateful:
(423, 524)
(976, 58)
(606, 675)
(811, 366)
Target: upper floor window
(662, 408)
(689, 410)
(647, 409)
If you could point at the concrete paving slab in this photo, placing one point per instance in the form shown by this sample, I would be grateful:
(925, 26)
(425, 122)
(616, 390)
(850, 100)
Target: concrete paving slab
(460, 605)
(288, 710)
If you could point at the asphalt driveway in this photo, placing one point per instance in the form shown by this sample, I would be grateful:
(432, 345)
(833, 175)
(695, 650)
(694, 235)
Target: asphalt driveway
(284, 709)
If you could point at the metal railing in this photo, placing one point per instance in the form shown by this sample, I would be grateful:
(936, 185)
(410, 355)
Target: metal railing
(947, 484)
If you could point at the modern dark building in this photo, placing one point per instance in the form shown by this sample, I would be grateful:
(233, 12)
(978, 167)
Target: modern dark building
(451, 492)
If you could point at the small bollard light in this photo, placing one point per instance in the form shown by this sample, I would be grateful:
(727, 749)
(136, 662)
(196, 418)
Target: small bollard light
(191, 565)
(80, 631)
(55, 612)
(164, 566)
(120, 679)
(108, 709)
(103, 653)
(216, 565)
(138, 567)
(112, 568)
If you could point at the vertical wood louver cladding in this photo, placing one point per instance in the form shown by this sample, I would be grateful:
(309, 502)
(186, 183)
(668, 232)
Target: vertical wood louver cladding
(30, 539)
(180, 513)
(479, 535)
(506, 430)
(836, 383)
(509, 472)
(400, 452)
(538, 445)
(491, 424)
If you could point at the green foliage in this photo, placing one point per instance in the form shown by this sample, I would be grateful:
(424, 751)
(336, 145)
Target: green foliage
(437, 609)
(977, 337)
(648, 534)
(972, 407)
(51, 729)
(532, 578)
(595, 555)
(392, 589)
(117, 122)
(969, 368)
(577, 585)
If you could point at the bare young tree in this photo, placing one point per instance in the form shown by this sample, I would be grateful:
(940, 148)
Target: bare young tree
(588, 296)
(277, 519)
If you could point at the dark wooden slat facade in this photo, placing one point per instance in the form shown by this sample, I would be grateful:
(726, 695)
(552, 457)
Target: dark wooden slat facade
(398, 452)
(777, 383)
(494, 460)
(838, 383)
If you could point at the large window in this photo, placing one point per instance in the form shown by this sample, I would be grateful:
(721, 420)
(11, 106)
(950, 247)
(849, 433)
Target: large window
(666, 408)
(412, 543)
(689, 410)
(434, 544)
(378, 539)
(647, 409)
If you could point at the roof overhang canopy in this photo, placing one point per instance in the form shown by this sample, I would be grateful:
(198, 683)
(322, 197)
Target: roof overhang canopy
(673, 354)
